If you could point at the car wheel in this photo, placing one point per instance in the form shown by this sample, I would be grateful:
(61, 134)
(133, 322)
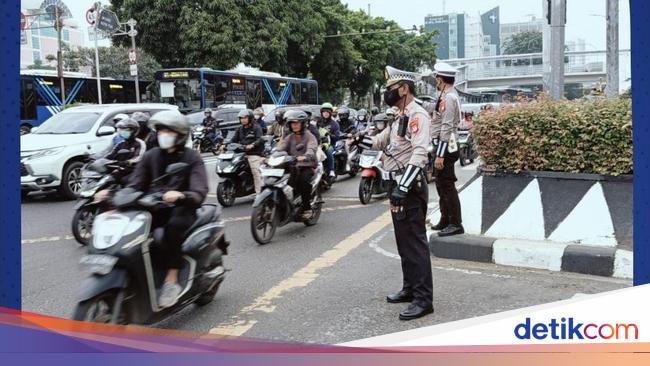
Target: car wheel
(71, 182)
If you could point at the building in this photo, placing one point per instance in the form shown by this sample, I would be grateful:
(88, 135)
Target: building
(510, 29)
(491, 26)
(39, 40)
(451, 34)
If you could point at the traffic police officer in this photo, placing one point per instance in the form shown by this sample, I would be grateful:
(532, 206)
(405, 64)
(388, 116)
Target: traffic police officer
(446, 117)
(405, 146)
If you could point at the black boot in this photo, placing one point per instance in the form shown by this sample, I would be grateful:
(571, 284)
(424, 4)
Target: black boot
(401, 296)
(415, 311)
(439, 226)
(452, 230)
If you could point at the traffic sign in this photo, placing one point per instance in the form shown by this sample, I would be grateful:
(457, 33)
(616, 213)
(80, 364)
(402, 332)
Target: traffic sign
(91, 16)
(133, 69)
(107, 21)
(133, 59)
(23, 21)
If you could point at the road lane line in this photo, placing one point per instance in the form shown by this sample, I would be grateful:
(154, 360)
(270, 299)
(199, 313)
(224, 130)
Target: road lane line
(267, 302)
(46, 239)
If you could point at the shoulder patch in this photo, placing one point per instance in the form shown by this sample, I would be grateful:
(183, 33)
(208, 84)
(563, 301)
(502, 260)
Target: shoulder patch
(414, 125)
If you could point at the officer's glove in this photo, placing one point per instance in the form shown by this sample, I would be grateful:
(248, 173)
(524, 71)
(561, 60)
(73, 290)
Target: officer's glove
(397, 197)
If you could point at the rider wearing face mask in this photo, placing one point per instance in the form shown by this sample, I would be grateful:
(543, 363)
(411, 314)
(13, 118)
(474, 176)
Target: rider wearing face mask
(362, 120)
(186, 191)
(128, 129)
(278, 129)
(334, 131)
(258, 114)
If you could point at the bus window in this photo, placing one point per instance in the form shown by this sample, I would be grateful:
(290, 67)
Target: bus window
(304, 93)
(312, 90)
(208, 90)
(238, 90)
(27, 100)
(254, 93)
(295, 93)
(221, 89)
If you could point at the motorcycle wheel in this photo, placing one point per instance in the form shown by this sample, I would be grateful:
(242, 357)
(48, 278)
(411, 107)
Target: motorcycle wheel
(365, 190)
(264, 222)
(98, 309)
(226, 193)
(463, 156)
(316, 213)
(82, 225)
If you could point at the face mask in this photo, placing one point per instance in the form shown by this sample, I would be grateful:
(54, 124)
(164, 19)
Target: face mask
(125, 134)
(380, 126)
(362, 118)
(391, 97)
(257, 116)
(166, 141)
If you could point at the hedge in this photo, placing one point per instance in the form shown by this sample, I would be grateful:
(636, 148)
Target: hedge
(568, 136)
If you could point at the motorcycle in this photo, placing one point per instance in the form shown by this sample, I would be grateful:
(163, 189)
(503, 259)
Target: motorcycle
(125, 276)
(277, 205)
(345, 163)
(202, 143)
(235, 173)
(97, 175)
(372, 176)
(466, 147)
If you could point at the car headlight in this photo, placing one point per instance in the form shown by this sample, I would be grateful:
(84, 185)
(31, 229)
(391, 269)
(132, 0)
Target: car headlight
(45, 152)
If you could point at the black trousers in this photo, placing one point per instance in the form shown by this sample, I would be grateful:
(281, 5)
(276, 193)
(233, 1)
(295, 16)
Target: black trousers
(176, 221)
(412, 245)
(446, 187)
(301, 183)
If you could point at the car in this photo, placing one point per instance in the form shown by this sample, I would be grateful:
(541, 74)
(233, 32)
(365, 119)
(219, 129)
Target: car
(51, 157)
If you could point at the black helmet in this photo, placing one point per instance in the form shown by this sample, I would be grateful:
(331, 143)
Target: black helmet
(171, 120)
(128, 124)
(344, 112)
(279, 115)
(246, 113)
(374, 111)
(296, 115)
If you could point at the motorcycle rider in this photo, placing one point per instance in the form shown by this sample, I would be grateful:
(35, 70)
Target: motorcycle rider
(335, 114)
(345, 123)
(250, 135)
(128, 130)
(362, 120)
(279, 129)
(210, 124)
(145, 133)
(380, 122)
(373, 112)
(334, 131)
(259, 114)
(303, 147)
(187, 191)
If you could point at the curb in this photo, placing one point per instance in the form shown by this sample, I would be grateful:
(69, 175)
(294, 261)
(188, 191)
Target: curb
(547, 255)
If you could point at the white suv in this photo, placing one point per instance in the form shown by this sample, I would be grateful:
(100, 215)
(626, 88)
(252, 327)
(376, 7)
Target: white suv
(52, 156)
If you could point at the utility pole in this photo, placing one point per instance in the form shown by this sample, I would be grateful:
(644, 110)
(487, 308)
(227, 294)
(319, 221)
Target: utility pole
(553, 52)
(98, 7)
(59, 53)
(132, 33)
(611, 90)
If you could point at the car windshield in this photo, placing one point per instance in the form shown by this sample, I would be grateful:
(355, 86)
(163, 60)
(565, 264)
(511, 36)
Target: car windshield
(68, 123)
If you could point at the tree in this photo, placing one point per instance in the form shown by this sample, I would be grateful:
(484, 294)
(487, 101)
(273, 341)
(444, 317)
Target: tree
(524, 42)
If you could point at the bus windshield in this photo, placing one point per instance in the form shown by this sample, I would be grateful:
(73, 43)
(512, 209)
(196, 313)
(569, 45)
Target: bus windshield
(185, 93)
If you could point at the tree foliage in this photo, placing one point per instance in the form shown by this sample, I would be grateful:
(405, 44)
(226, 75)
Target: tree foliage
(284, 36)
(524, 42)
(114, 62)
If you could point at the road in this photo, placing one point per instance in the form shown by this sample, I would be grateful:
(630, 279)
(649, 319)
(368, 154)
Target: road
(325, 283)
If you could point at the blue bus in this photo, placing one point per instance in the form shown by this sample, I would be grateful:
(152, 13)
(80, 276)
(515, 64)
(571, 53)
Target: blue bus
(40, 93)
(194, 89)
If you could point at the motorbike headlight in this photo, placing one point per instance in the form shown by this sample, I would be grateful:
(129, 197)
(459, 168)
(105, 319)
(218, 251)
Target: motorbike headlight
(229, 169)
(108, 229)
(88, 192)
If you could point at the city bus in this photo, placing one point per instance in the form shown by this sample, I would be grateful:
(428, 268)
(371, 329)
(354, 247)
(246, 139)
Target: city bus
(193, 89)
(40, 93)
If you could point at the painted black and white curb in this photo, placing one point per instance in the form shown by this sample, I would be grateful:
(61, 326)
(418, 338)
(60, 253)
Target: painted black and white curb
(578, 225)
(552, 256)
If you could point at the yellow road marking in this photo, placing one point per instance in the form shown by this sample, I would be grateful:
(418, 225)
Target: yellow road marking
(266, 303)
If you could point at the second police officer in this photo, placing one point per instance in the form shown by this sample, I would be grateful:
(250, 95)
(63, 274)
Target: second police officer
(405, 146)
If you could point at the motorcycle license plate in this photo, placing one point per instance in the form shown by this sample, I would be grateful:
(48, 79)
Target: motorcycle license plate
(272, 172)
(98, 263)
(366, 161)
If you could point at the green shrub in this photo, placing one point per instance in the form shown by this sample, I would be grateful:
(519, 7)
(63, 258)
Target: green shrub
(569, 136)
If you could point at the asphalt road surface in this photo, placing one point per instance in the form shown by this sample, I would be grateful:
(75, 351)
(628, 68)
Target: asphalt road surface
(325, 283)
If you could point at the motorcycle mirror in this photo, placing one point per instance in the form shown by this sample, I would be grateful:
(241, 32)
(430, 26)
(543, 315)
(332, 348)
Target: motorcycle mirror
(177, 168)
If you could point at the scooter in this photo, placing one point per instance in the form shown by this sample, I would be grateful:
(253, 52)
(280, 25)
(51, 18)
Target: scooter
(277, 205)
(202, 143)
(96, 175)
(124, 274)
(345, 163)
(235, 173)
(372, 176)
(466, 147)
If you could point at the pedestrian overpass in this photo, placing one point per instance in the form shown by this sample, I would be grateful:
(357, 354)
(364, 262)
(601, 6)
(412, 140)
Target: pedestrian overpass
(526, 70)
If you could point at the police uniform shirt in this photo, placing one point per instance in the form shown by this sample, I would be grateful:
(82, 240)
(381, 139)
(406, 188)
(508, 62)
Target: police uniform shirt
(408, 150)
(445, 123)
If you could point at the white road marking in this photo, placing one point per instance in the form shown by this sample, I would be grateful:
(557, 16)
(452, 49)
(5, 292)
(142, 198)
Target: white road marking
(267, 302)
(46, 239)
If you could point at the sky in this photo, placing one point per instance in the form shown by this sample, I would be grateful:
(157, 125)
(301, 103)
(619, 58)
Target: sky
(581, 22)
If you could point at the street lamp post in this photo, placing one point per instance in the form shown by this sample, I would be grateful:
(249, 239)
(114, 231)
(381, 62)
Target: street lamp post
(132, 33)
(59, 53)
(611, 90)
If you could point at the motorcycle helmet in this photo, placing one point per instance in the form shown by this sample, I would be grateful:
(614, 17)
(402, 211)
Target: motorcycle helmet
(296, 115)
(362, 115)
(381, 120)
(246, 113)
(326, 107)
(279, 115)
(344, 113)
(374, 111)
(127, 128)
(171, 120)
(120, 116)
(258, 113)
